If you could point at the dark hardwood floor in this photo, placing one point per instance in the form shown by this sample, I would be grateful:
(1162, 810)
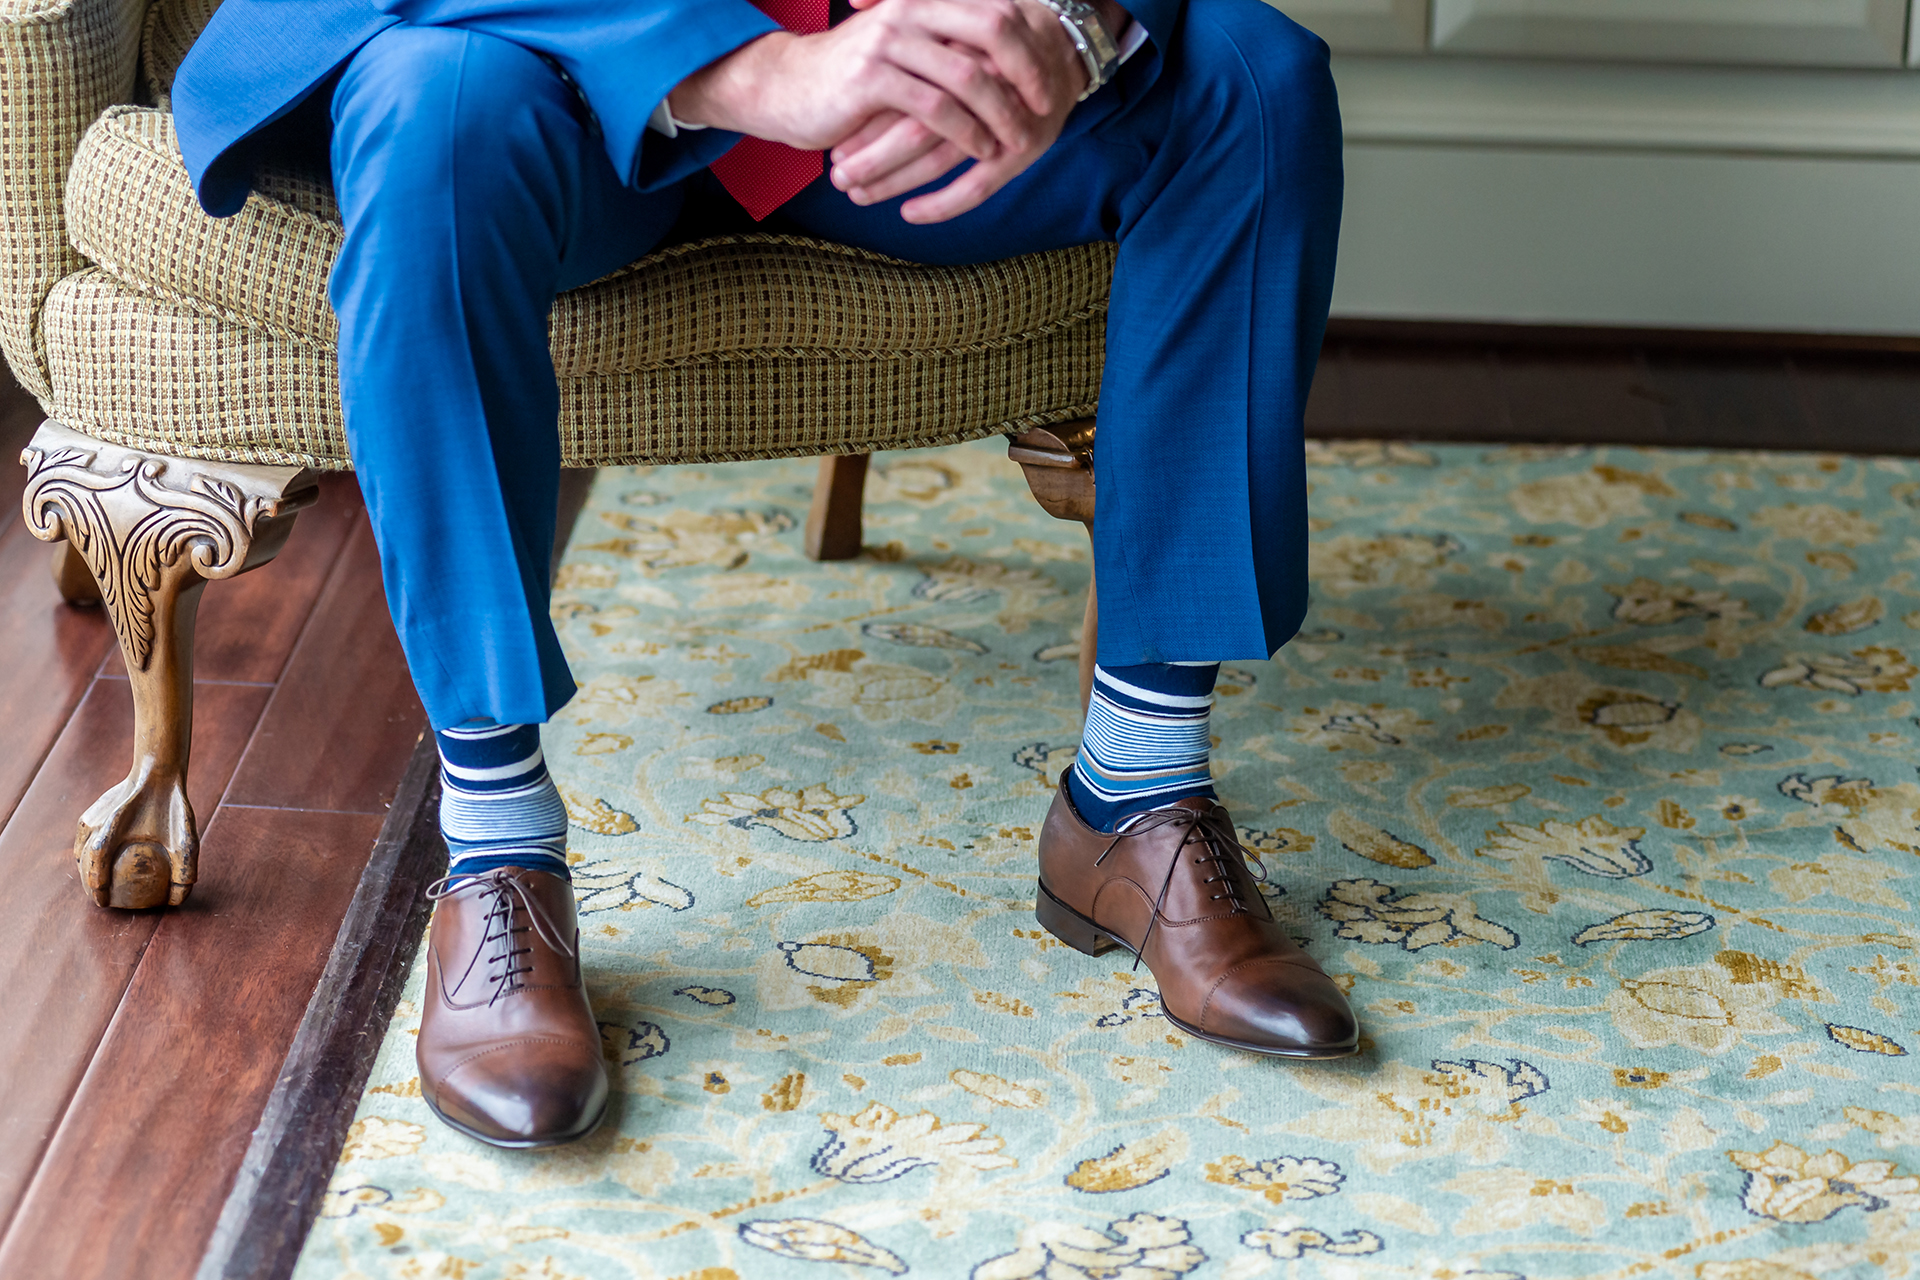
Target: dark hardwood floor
(138, 1048)
(148, 1060)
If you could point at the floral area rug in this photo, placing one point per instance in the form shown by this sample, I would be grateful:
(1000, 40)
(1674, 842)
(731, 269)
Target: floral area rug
(1592, 778)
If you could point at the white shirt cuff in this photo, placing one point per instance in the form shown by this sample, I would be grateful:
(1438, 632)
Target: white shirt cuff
(663, 123)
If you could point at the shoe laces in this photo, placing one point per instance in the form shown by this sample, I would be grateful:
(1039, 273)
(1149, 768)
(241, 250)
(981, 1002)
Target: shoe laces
(1213, 844)
(511, 912)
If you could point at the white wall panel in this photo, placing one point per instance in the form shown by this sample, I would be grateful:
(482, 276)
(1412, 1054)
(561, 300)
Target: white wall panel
(1588, 237)
(1362, 26)
(1841, 33)
(1521, 102)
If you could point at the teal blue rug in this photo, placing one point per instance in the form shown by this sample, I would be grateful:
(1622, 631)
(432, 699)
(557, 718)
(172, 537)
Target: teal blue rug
(1592, 778)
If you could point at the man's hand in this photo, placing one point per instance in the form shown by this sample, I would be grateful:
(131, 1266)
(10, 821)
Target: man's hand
(893, 154)
(966, 70)
(902, 93)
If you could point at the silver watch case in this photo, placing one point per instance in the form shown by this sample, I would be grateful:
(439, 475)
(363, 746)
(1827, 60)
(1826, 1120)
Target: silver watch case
(1092, 40)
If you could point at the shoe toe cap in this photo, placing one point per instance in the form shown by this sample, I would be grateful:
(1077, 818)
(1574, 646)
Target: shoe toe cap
(526, 1092)
(1283, 1007)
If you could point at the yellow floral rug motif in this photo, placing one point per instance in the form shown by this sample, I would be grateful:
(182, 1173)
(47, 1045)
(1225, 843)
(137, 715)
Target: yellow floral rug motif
(1591, 777)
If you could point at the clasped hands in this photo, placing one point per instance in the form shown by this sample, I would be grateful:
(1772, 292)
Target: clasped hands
(904, 91)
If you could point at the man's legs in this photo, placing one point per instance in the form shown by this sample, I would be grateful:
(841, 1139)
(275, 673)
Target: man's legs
(472, 193)
(1222, 185)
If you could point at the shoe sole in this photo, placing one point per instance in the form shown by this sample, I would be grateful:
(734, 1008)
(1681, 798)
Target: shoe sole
(517, 1144)
(1083, 935)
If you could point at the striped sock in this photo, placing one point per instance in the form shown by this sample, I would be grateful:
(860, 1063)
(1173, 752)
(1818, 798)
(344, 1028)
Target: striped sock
(1146, 741)
(498, 807)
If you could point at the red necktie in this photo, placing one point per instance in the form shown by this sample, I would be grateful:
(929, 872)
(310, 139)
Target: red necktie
(764, 175)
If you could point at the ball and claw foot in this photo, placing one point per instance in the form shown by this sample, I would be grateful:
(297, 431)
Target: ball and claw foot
(136, 845)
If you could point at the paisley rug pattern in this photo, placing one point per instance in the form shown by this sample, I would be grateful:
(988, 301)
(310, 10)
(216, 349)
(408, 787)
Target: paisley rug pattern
(1591, 777)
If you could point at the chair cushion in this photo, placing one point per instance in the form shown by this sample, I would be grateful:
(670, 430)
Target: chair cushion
(213, 337)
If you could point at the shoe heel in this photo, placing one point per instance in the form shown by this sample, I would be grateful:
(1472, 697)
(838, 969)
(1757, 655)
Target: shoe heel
(1067, 925)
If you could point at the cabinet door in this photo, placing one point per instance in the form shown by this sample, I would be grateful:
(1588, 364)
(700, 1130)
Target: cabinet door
(1834, 33)
(1362, 26)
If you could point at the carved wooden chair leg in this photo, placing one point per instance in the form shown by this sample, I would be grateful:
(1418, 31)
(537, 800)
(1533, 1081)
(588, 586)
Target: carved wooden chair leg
(833, 522)
(150, 532)
(1058, 465)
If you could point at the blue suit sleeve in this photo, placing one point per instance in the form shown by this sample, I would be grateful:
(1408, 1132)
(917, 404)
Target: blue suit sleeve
(625, 55)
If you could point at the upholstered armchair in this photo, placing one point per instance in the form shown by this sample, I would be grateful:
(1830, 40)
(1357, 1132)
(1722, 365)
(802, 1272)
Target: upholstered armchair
(186, 367)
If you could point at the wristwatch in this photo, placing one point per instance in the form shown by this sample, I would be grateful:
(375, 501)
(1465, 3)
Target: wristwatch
(1095, 44)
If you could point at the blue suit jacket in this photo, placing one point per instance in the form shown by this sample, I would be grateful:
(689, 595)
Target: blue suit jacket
(258, 59)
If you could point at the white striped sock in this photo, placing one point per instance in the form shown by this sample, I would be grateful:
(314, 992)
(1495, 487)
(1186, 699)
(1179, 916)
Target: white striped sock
(497, 801)
(1142, 745)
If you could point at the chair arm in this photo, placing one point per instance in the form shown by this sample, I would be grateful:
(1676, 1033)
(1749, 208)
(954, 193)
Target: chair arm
(61, 63)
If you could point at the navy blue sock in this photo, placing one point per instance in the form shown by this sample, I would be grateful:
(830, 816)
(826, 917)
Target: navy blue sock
(1146, 743)
(498, 807)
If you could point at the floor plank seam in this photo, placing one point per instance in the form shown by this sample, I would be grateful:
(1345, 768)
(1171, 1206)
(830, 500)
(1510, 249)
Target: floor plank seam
(198, 683)
(334, 571)
(293, 808)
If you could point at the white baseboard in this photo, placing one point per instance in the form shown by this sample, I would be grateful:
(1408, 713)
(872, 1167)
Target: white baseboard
(1612, 105)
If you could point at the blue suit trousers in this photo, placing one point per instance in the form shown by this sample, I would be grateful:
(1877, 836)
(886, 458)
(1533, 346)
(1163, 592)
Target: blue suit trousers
(474, 190)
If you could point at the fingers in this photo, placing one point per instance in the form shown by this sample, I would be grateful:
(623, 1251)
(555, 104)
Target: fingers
(857, 141)
(916, 173)
(903, 143)
(941, 112)
(971, 79)
(936, 82)
(1020, 51)
(967, 192)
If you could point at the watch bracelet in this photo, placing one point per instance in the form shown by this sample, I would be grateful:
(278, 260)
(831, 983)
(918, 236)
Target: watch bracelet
(1081, 46)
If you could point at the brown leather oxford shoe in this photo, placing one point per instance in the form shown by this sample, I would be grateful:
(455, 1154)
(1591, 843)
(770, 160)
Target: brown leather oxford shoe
(509, 1052)
(1174, 888)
